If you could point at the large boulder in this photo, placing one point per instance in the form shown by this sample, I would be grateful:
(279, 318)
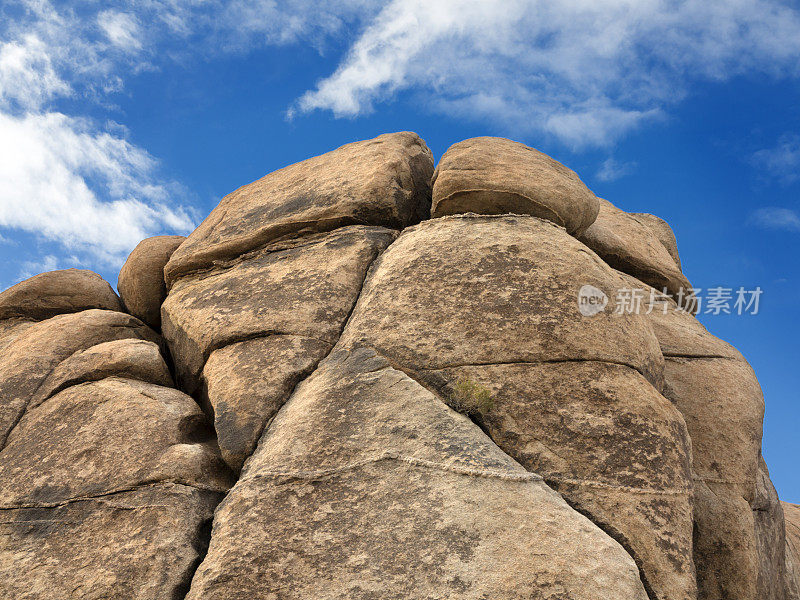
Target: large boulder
(397, 496)
(717, 392)
(304, 288)
(141, 279)
(632, 247)
(104, 436)
(469, 289)
(57, 292)
(108, 477)
(28, 361)
(493, 301)
(384, 181)
(493, 176)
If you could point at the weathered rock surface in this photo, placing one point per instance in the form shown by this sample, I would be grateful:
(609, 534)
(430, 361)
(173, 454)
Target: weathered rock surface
(493, 176)
(495, 300)
(792, 515)
(141, 279)
(628, 245)
(662, 231)
(467, 290)
(384, 181)
(111, 435)
(397, 496)
(128, 358)
(770, 537)
(31, 358)
(135, 545)
(247, 382)
(306, 288)
(609, 443)
(57, 292)
(108, 476)
(717, 393)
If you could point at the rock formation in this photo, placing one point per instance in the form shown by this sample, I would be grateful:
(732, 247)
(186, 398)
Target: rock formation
(376, 380)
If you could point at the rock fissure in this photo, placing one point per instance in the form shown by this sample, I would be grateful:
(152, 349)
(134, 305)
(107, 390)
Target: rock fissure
(121, 490)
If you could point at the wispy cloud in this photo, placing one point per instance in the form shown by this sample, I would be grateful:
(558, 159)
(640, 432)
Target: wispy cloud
(584, 72)
(782, 161)
(91, 191)
(612, 169)
(773, 217)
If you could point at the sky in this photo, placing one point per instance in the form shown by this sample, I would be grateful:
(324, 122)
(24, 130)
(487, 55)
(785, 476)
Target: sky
(125, 119)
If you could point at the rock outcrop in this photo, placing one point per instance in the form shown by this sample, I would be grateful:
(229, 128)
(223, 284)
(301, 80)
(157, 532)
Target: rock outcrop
(630, 244)
(574, 397)
(495, 176)
(397, 496)
(377, 381)
(141, 280)
(57, 292)
(108, 475)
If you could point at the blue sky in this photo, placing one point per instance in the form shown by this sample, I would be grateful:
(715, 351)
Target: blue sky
(120, 120)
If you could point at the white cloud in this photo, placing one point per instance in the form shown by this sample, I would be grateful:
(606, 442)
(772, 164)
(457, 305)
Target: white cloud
(64, 178)
(776, 218)
(612, 169)
(585, 71)
(33, 267)
(121, 29)
(52, 171)
(782, 161)
(27, 76)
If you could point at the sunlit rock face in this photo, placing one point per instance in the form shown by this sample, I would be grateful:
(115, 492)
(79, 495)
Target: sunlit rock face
(366, 377)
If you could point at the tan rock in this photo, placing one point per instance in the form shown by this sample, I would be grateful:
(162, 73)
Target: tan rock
(726, 550)
(135, 545)
(247, 382)
(494, 300)
(492, 176)
(662, 231)
(631, 247)
(770, 538)
(57, 292)
(141, 279)
(723, 406)
(609, 443)
(721, 401)
(108, 436)
(128, 358)
(792, 519)
(10, 330)
(467, 290)
(107, 484)
(30, 359)
(397, 497)
(384, 181)
(306, 288)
